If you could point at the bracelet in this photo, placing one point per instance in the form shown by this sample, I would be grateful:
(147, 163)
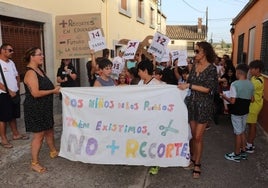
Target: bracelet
(190, 86)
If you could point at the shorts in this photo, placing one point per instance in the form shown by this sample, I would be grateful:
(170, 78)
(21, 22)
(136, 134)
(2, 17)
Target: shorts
(239, 123)
(8, 110)
(254, 110)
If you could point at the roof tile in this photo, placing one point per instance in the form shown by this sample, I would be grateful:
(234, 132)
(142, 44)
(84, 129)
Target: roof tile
(185, 32)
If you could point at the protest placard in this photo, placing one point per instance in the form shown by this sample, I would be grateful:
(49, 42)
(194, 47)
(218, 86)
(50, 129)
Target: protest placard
(72, 34)
(182, 61)
(158, 45)
(131, 49)
(181, 55)
(97, 41)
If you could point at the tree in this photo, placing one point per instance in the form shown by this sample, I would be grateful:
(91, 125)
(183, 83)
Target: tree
(223, 44)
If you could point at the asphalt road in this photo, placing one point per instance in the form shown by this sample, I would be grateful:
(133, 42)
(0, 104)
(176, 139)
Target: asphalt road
(217, 172)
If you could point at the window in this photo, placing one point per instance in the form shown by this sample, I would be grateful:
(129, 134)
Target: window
(124, 8)
(264, 46)
(172, 42)
(190, 46)
(124, 4)
(251, 44)
(240, 54)
(152, 17)
(140, 11)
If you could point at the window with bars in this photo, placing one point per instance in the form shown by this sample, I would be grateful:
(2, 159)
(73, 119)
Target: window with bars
(21, 34)
(264, 46)
(190, 46)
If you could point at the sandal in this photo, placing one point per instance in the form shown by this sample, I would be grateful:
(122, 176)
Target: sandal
(196, 173)
(53, 154)
(7, 145)
(35, 166)
(21, 137)
(190, 166)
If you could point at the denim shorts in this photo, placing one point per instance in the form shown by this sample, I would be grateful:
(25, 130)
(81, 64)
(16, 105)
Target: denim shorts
(239, 123)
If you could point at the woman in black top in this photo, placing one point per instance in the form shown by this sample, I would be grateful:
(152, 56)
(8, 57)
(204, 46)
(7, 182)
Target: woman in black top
(66, 75)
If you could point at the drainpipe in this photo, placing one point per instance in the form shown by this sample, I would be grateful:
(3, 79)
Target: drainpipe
(232, 31)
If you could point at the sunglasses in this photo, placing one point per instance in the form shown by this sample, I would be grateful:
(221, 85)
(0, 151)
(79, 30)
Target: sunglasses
(10, 50)
(196, 51)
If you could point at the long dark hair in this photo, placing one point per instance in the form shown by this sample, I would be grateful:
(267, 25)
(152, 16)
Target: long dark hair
(208, 50)
(62, 64)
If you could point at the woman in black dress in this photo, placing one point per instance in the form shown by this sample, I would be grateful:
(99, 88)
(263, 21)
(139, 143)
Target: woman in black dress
(38, 106)
(203, 83)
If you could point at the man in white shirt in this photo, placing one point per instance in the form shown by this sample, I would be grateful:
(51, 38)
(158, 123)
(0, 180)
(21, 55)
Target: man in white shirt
(9, 111)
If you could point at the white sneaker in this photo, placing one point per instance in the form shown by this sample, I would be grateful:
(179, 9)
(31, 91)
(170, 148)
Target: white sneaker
(233, 157)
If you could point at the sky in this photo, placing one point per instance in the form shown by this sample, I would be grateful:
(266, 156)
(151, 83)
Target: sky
(220, 15)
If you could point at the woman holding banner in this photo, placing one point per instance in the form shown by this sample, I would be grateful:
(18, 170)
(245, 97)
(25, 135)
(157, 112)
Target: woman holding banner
(202, 83)
(38, 106)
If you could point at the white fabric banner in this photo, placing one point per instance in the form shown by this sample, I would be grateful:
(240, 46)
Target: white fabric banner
(130, 125)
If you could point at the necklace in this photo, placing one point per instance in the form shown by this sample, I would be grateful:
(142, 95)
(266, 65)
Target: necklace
(200, 68)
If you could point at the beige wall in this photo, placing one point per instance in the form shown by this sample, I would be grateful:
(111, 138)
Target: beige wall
(116, 26)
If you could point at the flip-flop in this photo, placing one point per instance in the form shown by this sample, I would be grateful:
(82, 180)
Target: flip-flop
(7, 145)
(21, 137)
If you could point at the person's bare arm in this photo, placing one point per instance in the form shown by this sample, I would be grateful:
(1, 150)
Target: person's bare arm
(31, 81)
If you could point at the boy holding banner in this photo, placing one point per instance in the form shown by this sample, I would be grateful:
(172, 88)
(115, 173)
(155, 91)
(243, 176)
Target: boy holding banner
(145, 71)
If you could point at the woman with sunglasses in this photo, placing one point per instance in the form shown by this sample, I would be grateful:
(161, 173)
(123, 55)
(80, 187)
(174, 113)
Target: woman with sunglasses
(202, 82)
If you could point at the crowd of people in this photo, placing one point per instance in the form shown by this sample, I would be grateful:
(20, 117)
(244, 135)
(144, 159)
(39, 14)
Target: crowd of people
(215, 86)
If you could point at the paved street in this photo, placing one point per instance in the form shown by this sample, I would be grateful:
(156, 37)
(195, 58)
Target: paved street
(216, 171)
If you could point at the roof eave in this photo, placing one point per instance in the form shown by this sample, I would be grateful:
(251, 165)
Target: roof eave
(244, 11)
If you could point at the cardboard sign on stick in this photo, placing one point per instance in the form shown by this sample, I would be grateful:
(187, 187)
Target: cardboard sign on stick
(97, 41)
(72, 34)
(131, 49)
(159, 45)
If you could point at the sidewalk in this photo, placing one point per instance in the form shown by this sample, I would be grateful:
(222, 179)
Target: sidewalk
(216, 171)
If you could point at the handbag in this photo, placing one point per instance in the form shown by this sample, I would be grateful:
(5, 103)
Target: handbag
(16, 98)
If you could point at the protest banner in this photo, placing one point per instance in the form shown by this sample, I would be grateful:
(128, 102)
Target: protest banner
(72, 34)
(130, 125)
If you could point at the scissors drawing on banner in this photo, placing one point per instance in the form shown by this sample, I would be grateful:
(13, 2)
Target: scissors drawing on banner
(168, 128)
